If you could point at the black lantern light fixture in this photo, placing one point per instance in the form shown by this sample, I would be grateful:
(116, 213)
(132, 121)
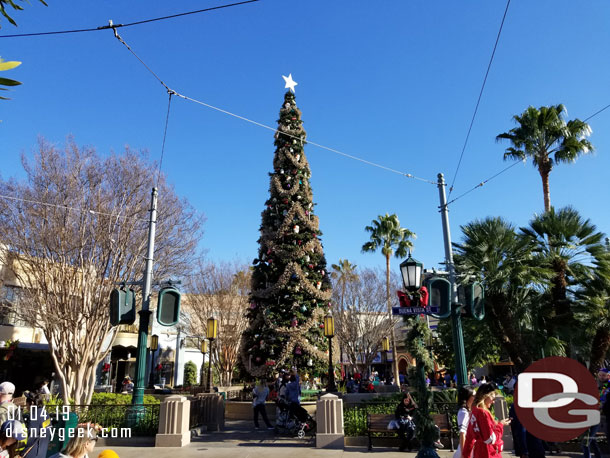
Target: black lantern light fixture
(212, 333)
(411, 272)
(204, 350)
(154, 346)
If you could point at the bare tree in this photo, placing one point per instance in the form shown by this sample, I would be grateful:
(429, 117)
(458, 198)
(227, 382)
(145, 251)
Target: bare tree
(220, 290)
(361, 319)
(75, 227)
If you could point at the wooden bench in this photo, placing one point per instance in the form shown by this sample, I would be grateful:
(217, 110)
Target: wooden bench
(378, 423)
(443, 421)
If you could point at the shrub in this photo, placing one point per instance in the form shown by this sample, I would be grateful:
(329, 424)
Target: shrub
(190, 374)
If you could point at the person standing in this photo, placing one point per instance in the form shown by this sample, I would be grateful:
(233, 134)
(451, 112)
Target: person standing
(259, 398)
(484, 436)
(7, 407)
(465, 399)
(589, 441)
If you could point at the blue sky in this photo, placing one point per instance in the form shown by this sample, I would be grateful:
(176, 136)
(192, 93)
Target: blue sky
(393, 82)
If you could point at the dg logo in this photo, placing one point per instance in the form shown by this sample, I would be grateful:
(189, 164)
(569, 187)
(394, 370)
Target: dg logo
(556, 399)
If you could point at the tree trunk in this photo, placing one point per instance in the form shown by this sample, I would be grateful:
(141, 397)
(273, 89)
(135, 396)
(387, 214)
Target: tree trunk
(599, 348)
(502, 323)
(392, 333)
(545, 169)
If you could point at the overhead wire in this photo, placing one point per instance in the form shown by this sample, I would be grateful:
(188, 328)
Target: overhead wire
(243, 118)
(476, 108)
(129, 24)
(169, 104)
(67, 207)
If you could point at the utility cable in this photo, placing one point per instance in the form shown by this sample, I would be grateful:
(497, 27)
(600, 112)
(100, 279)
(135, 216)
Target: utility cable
(476, 108)
(596, 113)
(171, 91)
(145, 21)
(408, 175)
(484, 182)
(169, 104)
(66, 207)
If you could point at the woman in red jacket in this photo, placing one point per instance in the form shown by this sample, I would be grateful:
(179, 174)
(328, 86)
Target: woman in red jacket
(484, 436)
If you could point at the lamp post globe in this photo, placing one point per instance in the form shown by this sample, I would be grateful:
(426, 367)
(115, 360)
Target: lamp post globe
(329, 332)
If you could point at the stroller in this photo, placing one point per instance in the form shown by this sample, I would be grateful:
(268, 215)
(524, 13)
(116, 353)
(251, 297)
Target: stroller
(294, 420)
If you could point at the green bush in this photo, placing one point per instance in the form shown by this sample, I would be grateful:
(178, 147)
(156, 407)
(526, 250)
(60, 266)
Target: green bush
(190, 374)
(119, 399)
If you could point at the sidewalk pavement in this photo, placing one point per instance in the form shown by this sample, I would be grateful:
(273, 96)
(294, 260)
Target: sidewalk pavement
(240, 440)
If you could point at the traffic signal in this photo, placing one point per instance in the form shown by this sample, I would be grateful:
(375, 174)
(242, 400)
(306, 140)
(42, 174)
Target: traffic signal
(472, 298)
(439, 289)
(168, 307)
(122, 306)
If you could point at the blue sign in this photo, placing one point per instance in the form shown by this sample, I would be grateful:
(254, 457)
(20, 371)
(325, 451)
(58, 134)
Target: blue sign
(414, 310)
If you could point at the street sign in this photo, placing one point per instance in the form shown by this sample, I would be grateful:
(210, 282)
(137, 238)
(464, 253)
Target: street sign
(414, 310)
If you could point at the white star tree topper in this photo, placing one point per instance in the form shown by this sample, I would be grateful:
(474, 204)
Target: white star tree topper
(290, 83)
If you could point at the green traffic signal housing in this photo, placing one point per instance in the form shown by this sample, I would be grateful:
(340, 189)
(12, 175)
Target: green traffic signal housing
(122, 306)
(472, 298)
(168, 307)
(439, 289)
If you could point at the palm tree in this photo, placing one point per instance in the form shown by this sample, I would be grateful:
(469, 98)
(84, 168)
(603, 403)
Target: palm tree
(594, 311)
(492, 252)
(387, 234)
(344, 273)
(544, 136)
(573, 249)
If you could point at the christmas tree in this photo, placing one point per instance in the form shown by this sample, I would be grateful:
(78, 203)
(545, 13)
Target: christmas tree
(290, 286)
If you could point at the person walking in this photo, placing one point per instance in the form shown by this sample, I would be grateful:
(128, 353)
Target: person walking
(7, 407)
(259, 398)
(484, 436)
(465, 399)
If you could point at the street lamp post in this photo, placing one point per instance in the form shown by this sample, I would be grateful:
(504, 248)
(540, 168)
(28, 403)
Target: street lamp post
(385, 346)
(329, 331)
(456, 318)
(411, 272)
(154, 346)
(211, 334)
(204, 350)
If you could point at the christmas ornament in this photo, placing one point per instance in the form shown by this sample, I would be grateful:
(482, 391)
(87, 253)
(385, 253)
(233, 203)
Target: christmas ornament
(296, 229)
(303, 308)
(309, 363)
(298, 158)
(298, 351)
(294, 322)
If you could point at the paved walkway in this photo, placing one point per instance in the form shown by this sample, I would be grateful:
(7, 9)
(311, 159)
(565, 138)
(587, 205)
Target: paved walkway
(240, 440)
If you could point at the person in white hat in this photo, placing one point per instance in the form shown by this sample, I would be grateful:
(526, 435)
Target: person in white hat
(7, 407)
